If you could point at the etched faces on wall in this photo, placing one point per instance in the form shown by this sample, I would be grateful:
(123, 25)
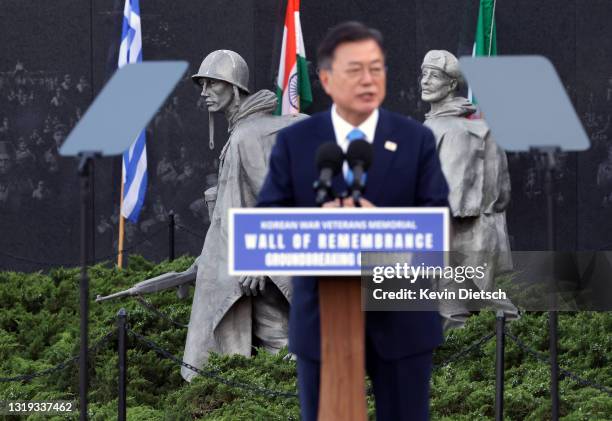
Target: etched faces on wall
(8, 199)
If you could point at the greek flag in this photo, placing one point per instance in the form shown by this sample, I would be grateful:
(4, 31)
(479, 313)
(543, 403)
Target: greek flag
(134, 175)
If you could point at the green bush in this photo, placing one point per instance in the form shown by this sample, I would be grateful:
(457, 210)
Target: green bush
(39, 328)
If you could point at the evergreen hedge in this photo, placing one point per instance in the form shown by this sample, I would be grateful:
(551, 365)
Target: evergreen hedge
(39, 328)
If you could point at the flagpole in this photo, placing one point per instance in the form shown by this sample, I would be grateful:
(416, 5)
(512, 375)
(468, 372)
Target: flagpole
(121, 230)
(134, 162)
(492, 26)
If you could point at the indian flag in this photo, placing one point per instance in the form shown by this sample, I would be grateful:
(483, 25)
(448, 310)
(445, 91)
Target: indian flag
(486, 37)
(293, 86)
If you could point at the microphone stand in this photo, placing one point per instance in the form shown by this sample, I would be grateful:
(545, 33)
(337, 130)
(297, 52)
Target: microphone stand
(357, 198)
(357, 186)
(324, 191)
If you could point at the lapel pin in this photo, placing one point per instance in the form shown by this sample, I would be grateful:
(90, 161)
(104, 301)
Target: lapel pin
(390, 146)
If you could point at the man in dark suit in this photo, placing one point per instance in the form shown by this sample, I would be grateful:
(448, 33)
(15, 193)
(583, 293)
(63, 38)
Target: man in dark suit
(405, 172)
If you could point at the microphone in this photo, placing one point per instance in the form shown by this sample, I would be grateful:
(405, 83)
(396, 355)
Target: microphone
(329, 161)
(359, 158)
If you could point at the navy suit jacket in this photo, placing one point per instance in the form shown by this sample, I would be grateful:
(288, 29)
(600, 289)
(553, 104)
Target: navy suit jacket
(409, 176)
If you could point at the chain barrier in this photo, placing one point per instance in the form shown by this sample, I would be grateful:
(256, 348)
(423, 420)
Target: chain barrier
(467, 350)
(272, 393)
(149, 306)
(59, 367)
(538, 356)
(189, 231)
(213, 374)
(268, 392)
(75, 264)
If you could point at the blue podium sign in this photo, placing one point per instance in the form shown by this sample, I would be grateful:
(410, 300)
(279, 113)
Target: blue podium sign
(328, 241)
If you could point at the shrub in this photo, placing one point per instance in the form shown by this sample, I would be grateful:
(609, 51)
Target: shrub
(39, 328)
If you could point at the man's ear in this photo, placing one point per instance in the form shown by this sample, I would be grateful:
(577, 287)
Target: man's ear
(324, 75)
(454, 85)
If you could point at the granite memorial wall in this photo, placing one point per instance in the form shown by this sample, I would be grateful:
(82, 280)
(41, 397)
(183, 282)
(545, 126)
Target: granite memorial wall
(56, 56)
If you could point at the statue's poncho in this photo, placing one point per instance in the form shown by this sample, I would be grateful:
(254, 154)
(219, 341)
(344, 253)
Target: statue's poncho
(219, 321)
(476, 170)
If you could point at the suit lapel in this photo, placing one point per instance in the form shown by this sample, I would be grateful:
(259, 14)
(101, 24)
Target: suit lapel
(382, 159)
(325, 128)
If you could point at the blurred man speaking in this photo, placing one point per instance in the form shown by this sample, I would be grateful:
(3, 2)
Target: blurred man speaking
(405, 171)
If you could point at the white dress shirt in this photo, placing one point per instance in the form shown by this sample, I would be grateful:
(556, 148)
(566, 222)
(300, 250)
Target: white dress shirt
(342, 128)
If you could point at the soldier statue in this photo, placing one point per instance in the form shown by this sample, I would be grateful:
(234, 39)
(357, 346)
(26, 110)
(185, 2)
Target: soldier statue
(476, 170)
(231, 315)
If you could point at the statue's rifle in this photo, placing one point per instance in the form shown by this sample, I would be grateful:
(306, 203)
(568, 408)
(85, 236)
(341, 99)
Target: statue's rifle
(180, 280)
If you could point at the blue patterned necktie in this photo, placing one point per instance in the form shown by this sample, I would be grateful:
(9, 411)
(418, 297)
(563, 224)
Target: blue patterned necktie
(354, 134)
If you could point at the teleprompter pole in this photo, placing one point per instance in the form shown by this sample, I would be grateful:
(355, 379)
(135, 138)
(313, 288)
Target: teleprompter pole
(84, 170)
(499, 365)
(92, 210)
(171, 223)
(550, 154)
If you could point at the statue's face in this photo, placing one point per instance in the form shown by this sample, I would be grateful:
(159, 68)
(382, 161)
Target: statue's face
(218, 94)
(435, 85)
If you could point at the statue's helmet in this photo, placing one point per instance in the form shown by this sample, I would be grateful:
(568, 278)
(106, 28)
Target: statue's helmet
(444, 61)
(227, 66)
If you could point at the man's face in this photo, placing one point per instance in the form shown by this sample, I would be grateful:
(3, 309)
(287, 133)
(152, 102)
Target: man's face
(435, 85)
(356, 80)
(218, 94)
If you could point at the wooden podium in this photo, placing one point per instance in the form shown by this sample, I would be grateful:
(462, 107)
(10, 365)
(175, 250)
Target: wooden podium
(342, 388)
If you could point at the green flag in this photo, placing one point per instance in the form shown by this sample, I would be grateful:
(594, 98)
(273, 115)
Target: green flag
(486, 39)
(485, 43)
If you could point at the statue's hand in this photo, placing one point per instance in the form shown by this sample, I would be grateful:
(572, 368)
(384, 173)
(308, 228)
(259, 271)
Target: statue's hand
(251, 284)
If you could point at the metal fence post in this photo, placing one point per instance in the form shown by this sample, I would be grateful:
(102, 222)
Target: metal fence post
(122, 349)
(171, 236)
(499, 365)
